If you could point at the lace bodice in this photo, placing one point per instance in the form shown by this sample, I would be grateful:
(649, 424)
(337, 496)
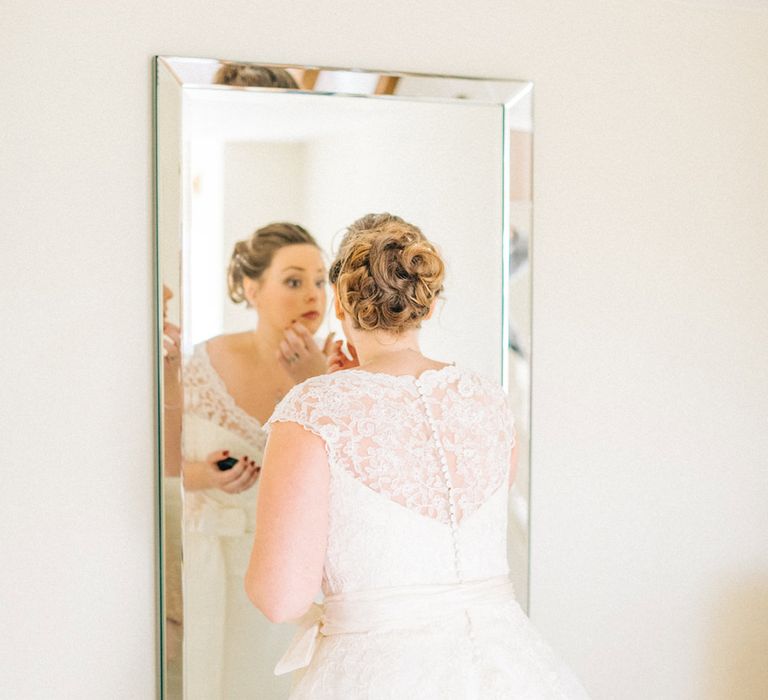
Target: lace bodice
(417, 499)
(230, 649)
(213, 421)
(206, 397)
(419, 470)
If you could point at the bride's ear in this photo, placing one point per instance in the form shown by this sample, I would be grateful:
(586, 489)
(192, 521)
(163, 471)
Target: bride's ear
(338, 310)
(251, 291)
(432, 307)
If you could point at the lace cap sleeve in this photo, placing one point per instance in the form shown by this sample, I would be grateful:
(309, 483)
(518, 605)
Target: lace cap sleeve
(301, 405)
(502, 405)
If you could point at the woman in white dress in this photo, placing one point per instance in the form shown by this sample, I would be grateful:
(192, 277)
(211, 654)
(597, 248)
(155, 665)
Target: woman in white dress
(231, 385)
(386, 485)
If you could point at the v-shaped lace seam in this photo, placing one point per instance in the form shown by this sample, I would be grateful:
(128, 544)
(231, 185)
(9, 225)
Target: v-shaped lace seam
(217, 383)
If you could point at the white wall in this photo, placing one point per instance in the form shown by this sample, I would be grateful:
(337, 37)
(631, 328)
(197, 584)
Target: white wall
(255, 189)
(429, 179)
(650, 384)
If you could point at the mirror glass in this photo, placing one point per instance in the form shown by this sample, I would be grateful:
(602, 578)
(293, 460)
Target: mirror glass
(243, 146)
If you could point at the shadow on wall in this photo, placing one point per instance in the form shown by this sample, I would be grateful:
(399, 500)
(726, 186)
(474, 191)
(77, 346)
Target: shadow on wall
(739, 643)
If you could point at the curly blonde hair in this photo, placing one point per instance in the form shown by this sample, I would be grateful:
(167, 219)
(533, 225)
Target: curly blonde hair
(251, 257)
(387, 274)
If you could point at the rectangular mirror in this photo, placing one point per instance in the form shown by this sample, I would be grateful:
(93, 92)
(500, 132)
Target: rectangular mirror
(242, 146)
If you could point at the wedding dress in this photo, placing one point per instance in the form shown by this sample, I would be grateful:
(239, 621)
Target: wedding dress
(418, 602)
(230, 648)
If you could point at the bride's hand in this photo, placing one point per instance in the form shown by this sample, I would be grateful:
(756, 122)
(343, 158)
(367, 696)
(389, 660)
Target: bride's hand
(300, 355)
(338, 360)
(171, 344)
(207, 475)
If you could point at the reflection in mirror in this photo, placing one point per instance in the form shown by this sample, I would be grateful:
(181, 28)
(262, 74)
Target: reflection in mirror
(519, 130)
(259, 171)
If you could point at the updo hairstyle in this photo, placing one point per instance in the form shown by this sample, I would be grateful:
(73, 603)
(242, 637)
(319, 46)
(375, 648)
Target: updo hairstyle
(387, 274)
(254, 255)
(251, 75)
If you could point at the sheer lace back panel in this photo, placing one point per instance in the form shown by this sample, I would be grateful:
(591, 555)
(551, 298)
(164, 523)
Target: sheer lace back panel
(414, 462)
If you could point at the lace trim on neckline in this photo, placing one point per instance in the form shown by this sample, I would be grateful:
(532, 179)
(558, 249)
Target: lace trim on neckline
(416, 379)
(228, 399)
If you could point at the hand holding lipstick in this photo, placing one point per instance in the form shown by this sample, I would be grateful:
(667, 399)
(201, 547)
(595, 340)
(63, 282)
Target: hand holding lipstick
(300, 355)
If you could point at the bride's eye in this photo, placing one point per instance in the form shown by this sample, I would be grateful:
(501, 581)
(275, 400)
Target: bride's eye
(320, 283)
(293, 282)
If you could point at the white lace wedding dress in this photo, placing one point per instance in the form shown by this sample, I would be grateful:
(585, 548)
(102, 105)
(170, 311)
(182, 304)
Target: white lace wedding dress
(230, 648)
(417, 599)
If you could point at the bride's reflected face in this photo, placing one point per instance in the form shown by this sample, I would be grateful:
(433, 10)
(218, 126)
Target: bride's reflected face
(292, 288)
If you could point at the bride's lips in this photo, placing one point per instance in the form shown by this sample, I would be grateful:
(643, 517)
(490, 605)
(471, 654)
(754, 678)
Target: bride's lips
(311, 315)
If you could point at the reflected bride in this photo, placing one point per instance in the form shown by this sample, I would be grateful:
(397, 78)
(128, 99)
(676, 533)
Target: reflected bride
(231, 385)
(386, 485)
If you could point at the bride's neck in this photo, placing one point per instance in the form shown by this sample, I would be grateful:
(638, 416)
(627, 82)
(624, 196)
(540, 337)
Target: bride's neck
(374, 347)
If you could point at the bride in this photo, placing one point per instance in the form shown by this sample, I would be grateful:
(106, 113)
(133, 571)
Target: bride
(231, 385)
(386, 486)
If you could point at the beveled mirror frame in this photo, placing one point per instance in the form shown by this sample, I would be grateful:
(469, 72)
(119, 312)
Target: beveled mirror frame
(515, 97)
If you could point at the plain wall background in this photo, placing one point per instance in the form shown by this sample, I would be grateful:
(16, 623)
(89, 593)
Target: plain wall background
(649, 569)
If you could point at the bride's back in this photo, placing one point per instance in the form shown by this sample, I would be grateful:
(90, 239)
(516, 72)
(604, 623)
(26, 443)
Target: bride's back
(418, 603)
(418, 474)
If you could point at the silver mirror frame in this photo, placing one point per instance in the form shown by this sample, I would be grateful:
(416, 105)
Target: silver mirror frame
(196, 74)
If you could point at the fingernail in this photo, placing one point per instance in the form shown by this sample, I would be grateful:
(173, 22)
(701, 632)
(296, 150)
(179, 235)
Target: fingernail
(226, 452)
(245, 458)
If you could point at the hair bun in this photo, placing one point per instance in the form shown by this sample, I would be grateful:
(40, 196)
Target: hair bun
(387, 273)
(254, 75)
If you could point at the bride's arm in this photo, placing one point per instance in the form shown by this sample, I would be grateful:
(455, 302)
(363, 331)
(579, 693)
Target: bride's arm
(285, 571)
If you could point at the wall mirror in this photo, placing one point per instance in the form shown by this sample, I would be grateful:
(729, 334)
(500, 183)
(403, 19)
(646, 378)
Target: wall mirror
(240, 146)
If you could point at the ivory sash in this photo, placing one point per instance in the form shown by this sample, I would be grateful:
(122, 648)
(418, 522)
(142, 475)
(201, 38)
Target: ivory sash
(387, 609)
